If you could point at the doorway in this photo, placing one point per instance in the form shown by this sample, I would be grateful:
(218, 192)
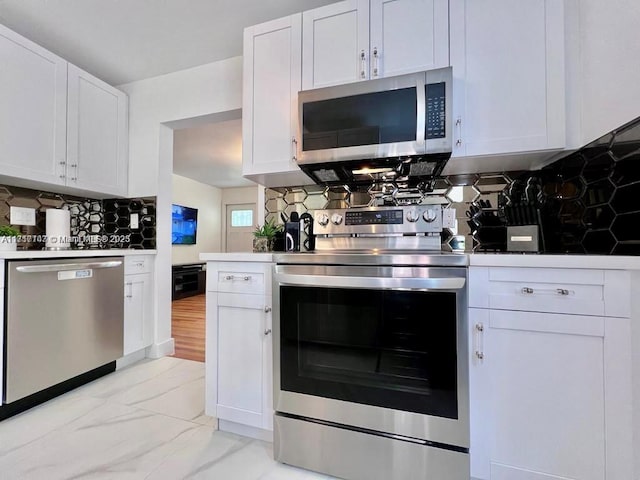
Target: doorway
(240, 222)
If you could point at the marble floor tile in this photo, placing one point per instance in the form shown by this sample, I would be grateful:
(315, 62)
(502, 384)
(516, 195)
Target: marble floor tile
(143, 422)
(30, 426)
(111, 441)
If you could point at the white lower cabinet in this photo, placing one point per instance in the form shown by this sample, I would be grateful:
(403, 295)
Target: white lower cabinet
(138, 303)
(138, 313)
(239, 347)
(244, 358)
(549, 391)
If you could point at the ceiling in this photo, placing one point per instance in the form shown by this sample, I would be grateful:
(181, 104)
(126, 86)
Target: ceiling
(121, 41)
(211, 154)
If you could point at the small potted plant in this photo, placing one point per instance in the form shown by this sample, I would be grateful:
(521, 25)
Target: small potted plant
(8, 238)
(264, 235)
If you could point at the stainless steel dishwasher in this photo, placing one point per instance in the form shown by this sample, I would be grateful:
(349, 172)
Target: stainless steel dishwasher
(64, 318)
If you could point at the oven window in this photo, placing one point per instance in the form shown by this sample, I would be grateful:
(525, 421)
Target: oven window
(393, 349)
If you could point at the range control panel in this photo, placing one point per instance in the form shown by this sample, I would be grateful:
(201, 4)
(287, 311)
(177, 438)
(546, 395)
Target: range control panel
(379, 220)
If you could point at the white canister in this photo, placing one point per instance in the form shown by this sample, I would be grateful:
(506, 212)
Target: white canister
(58, 229)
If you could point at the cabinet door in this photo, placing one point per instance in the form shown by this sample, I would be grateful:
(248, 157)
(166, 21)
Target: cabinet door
(541, 384)
(271, 81)
(408, 36)
(335, 44)
(243, 334)
(509, 76)
(138, 312)
(97, 135)
(33, 96)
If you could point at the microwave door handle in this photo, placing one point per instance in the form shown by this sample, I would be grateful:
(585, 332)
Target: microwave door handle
(421, 99)
(449, 283)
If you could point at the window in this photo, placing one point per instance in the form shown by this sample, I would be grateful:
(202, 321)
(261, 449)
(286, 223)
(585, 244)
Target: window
(242, 218)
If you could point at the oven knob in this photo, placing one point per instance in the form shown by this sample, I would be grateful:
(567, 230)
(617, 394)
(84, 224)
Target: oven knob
(412, 215)
(336, 219)
(430, 215)
(323, 219)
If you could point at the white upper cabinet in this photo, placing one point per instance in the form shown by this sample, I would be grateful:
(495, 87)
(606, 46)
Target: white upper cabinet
(408, 36)
(271, 81)
(335, 44)
(59, 126)
(33, 105)
(359, 40)
(97, 135)
(509, 76)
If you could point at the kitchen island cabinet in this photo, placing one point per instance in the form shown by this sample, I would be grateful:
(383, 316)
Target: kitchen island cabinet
(239, 353)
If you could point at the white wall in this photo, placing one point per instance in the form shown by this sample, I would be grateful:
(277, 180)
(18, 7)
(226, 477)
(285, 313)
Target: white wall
(207, 200)
(155, 106)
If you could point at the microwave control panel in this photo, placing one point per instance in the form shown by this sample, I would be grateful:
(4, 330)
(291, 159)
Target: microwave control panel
(436, 111)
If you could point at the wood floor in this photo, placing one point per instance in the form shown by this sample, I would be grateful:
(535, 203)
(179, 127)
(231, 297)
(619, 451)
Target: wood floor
(187, 327)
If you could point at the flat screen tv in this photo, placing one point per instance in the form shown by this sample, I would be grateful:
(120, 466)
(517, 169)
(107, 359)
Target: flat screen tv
(184, 225)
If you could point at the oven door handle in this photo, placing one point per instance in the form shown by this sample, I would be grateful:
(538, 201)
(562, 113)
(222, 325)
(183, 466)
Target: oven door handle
(381, 283)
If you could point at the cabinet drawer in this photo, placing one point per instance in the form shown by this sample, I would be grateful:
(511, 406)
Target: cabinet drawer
(551, 290)
(241, 282)
(137, 264)
(547, 290)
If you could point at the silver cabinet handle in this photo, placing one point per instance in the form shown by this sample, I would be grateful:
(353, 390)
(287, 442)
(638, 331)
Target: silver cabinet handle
(479, 328)
(558, 291)
(267, 309)
(267, 332)
(246, 278)
(363, 65)
(459, 131)
(294, 144)
(130, 285)
(375, 62)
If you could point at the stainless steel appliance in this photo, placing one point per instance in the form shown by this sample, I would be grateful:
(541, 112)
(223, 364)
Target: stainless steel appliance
(370, 349)
(398, 124)
(64, 317)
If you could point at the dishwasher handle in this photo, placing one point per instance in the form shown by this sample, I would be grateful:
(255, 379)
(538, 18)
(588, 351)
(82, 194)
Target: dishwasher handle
(61, 267)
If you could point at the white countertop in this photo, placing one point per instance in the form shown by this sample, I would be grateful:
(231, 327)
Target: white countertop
(72, 253)
(237, 257)
(605, 262)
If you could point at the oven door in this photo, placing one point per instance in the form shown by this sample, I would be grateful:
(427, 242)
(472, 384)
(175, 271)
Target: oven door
(379, 348)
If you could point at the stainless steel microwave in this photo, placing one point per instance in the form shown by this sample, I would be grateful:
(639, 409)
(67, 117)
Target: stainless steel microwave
(403, 116)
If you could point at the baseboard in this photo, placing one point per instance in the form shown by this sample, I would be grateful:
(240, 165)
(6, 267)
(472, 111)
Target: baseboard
(159, 350)
(245, 430)
(130, 359)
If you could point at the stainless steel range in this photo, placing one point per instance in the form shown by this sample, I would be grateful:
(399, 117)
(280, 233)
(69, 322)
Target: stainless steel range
(370, 349)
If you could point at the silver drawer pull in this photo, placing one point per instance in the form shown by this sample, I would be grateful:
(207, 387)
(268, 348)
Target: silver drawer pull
(551, 291)
(480, 355)
(231, 278)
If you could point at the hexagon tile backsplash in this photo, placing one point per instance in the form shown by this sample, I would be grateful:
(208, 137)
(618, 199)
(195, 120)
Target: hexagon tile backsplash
(95, 224)
(587, 202)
